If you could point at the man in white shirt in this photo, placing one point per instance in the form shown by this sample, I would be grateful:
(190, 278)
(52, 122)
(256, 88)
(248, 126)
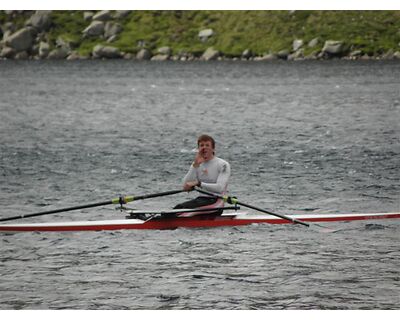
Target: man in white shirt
(207, 172)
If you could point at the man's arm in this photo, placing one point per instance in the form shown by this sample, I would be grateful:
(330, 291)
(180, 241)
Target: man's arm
(222, 181)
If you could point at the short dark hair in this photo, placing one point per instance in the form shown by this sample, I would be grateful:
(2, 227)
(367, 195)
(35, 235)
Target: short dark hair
(205, 137)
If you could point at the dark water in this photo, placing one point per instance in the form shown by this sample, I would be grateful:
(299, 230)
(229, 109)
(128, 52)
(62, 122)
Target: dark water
(300, 137)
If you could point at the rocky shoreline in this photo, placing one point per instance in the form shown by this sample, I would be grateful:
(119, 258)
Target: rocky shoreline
(31, 42)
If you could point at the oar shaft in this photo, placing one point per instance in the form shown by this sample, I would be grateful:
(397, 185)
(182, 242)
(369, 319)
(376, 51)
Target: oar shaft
(98, 204)
(233, 200)
(119, 200)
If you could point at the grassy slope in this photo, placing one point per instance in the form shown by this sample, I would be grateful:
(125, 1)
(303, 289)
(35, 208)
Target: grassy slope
(373, 32)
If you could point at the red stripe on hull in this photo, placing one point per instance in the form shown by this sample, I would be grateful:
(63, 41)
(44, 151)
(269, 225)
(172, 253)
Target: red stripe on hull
(189, 222)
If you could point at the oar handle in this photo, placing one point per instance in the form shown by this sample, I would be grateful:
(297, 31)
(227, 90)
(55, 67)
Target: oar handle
(126, 199)
(234, 200)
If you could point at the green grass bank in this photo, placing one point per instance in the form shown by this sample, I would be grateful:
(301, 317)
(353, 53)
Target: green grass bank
(371, 33)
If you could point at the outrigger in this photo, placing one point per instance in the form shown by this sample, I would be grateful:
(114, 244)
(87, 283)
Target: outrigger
(171, 219)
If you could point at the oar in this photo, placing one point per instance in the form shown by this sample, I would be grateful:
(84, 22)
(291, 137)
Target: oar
(119, 200)
(233, 200)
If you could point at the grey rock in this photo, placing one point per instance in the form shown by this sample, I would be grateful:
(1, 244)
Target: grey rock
(388, 55)
(365, 57)
(210, 54)
(9, 26)
(44, 49)
(298, 55)
(143, 54)
(58, 53)
(267, 57)
(396, 55)
(333, 48)
(205, 34)
(95, 29)
(22, 55)
(297, 44)
(128, 56)
(108, 52)
(41, 20)
(247, 54)
(75, 56)
(160, 57)
(314, 42)
(65, 43)
(7, 52)
(21, 40)
(112, 38)
(112, 29)
(104, 15)
(88, 15)
(165, 51)
(283, 54)
(356, 53)
(120, 14)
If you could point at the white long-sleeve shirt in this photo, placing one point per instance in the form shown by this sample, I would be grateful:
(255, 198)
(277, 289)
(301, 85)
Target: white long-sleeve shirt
(213, 175)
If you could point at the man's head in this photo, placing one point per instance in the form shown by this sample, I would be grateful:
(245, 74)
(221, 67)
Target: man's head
(206, 146)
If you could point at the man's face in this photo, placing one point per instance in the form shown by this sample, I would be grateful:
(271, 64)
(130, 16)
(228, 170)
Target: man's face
(206, 150)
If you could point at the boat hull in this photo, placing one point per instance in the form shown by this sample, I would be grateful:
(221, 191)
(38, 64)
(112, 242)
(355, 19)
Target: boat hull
(200, 221)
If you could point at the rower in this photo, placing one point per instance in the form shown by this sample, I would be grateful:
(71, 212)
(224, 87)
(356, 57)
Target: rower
(209, 173)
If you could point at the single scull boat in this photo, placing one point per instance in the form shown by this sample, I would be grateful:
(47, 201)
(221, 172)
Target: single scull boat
(164, 222)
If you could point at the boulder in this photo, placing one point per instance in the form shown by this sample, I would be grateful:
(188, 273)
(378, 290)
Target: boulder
(313, 43)
(7, 52)
(21, 40)
(143, 54)
(65, 43)
(210, 54)
(22, 55)
(95, 29)
(112, 38)
(120, 14)
(128, 56)
(388, 55)
(247, 54)
(365, 57)
(75, 56)
(88, 15)
(104, 15)
(165, 51)
(40, 20)
(283, 54)
(298, 55)
(58, 53)
(355, 54)
(160, 57)
(44, 49)
(205, 34)
(111, 29)
(333, 48)
(396, 55)
(9, 26)
(267, 57)
(297, 44)
(108, 52)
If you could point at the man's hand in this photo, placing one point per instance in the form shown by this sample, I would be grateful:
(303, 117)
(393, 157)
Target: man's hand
(189, 186)
(198, 159)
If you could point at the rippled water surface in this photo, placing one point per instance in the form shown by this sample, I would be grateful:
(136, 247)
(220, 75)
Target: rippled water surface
(300, 137)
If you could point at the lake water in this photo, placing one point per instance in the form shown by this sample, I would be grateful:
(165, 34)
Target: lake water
(313, 136)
